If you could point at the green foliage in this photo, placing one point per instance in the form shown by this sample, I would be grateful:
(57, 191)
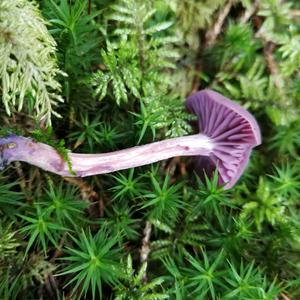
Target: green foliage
(121, 222)
(203, 278)
(188, 11)
(266, 206)
(219, 280)
(277, 16)
(135, 67)
(290, 52)
(142, 50)
(29, 69)
(213, 199)
(8, 242)
(133, 288)
(64, 205)
(286, 181)
(89, 132)
(286, 140)
(75, 32)
(24, 275)
(126, 186)
(93, 133)
(122, 73)
(164, 201)
(156, 117)
(92, 262)
(130, 65)
(46, 136)
(9, 198)
(248, 283)
(40, 229)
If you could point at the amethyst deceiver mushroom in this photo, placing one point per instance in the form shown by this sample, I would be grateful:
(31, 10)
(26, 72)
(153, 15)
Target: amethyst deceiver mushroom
(232, 130)
(228, 133)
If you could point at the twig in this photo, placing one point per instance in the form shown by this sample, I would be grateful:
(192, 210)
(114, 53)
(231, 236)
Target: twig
(90, 7)
(51, 284)
(195, 83)
(284, 297)
(249, 12)
(145, 250)
(268, 50)
(272, 66)
(101, 207)
(21, 177)
(58, 250)
(295, 12)
(213, 33)
(210, 39)
(175, 163)
(88, 193)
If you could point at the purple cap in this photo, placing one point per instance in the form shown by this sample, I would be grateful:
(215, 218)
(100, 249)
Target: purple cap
(233, 130)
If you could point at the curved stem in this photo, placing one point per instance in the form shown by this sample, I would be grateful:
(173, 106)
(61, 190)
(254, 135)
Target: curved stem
(47, 158)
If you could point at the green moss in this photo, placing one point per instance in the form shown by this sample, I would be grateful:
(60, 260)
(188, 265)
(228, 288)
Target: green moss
(158, 231)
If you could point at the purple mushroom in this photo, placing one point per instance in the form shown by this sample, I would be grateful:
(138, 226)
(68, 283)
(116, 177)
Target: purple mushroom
(232, 130)
(228, 133)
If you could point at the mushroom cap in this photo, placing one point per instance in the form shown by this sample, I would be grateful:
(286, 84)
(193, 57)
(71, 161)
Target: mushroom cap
(233, 130)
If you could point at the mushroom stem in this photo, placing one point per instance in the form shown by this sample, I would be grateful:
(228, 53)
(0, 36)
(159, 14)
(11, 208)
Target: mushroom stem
(47, 158)
(92, 164)
(229, 134)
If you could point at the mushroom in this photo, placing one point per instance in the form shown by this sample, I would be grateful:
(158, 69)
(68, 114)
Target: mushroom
(227, 135)
(232, 130)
